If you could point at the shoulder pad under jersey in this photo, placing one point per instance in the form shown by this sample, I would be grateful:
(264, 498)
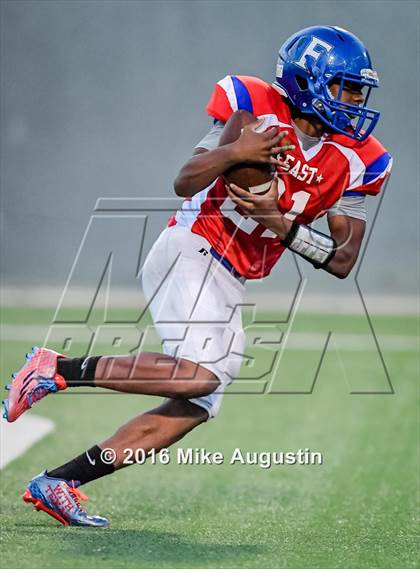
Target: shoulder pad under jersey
(240, 92)
(370, 163)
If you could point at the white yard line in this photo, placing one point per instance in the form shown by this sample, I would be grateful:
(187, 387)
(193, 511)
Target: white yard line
(294, 341)
(16, 438)
(353, 342)
(320, 303)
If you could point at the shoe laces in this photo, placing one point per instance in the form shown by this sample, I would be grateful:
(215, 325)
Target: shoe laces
(77, 495)
(36, 394)
(40, 390)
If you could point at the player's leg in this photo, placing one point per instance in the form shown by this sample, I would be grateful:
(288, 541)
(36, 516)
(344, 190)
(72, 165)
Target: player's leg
(173, 279)
(156, 429)
(56, 491)
(149, 373)
(201, 303)
(146, 373)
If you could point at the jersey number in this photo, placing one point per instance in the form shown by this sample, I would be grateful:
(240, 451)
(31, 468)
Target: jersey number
(300, 199)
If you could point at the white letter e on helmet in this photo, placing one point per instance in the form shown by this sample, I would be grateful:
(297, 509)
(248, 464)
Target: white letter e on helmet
(312, 51)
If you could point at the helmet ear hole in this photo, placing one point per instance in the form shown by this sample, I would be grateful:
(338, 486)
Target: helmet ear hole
(302, 82)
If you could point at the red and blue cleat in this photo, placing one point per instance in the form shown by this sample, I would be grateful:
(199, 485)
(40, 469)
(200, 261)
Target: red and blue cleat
(35, 380)
(61, 500)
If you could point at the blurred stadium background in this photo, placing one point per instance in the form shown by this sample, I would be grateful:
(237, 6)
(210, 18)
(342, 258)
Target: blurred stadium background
(105, 99)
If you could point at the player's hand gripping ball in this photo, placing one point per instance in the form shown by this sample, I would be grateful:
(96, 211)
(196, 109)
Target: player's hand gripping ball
(258, 150)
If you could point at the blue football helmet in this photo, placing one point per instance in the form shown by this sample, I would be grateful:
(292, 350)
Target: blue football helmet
(310, 60)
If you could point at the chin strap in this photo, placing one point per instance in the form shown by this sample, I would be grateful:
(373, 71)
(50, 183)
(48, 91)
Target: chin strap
(314, 246)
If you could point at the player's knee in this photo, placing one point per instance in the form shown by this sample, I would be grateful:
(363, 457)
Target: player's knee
(195, 380)
(205, 386)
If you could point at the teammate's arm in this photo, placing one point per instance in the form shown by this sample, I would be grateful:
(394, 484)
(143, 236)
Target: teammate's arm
(205, 166)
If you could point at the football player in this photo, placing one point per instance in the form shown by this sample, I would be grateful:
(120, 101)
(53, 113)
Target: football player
(194, 277)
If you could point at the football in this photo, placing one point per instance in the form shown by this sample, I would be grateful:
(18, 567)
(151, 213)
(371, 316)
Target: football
(253, 177)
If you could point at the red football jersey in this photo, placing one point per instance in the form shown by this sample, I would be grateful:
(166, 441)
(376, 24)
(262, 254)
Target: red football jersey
(317, 179)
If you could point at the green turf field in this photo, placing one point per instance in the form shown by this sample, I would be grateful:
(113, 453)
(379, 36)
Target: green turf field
(357, 510)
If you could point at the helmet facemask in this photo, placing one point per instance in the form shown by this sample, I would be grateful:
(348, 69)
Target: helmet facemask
(356, 121)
